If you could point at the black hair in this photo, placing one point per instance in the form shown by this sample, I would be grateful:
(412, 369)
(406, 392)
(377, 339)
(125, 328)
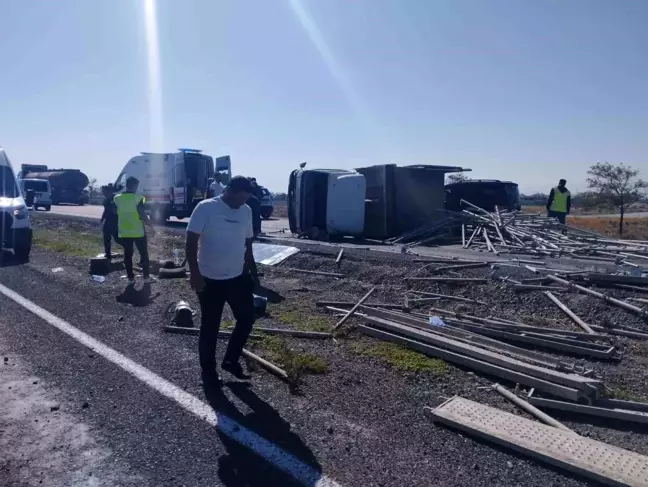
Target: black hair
(240, 183)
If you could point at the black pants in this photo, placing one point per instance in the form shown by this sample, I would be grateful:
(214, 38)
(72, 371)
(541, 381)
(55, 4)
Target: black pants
(559, 215)
(110, 233)
(142, 248)
(255, 205)
(238, 293)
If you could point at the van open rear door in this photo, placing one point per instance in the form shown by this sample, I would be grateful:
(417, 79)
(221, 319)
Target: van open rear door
(179, 194)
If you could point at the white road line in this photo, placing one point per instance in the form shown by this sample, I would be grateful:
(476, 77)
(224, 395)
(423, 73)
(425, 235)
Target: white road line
(303, 473)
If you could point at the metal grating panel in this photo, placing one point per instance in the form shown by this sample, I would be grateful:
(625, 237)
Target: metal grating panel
(594, 459)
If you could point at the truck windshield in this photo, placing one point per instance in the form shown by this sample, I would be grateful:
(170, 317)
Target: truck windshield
(38, 186)
(8, 186)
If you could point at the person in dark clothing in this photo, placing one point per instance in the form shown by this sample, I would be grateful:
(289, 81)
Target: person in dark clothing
(109, 220)
(132, 224)
(254, 202)
(222, 270)
(255, 205)
(559, 202)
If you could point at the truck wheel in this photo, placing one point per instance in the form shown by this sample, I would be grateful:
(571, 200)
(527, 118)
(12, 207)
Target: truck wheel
(266, 214)
(81, 203)
(48, 207)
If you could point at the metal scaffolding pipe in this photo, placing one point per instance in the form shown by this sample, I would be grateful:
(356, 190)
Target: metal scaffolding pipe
(569, 313)
(596, 294)
(532, 410)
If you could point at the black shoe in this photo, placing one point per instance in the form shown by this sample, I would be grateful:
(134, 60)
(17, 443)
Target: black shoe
(210, 378)
(235, 369)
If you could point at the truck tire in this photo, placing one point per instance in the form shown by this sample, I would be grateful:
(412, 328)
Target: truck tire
(48, 207)
(266, 213)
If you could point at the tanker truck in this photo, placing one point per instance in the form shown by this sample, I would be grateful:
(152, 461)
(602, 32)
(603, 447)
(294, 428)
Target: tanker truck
(68, 185)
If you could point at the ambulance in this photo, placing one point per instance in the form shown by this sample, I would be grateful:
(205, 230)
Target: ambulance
(173, 183)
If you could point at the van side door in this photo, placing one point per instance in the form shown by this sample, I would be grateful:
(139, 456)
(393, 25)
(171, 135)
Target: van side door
(179, 199)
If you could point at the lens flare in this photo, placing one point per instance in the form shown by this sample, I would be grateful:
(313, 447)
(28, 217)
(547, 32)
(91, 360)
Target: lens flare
(156, 125)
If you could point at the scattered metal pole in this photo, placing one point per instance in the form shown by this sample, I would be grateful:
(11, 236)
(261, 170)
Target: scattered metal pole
(339, 257)
(455, 298)
(608, 299)
(447, 279)
(353, 310)
(351, 304)
(533, 411)
(532, 287)
(317, 273)
(463, 235)
(267, 365)
(475, 232)
(569, 313)
(488, 242)
(458, 267)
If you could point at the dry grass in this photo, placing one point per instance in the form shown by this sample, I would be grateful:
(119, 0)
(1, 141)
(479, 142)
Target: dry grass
(633, 228)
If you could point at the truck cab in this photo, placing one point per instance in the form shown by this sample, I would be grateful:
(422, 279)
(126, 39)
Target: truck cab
(15, 227)
(42, 192)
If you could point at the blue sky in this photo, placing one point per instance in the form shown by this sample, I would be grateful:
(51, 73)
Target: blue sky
(527, 90)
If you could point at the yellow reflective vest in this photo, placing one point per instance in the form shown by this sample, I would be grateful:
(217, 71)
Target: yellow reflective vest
(129, 223)
(559, 202)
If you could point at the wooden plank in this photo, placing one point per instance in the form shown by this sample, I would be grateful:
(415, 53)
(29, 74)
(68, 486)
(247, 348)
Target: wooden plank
(593, 459)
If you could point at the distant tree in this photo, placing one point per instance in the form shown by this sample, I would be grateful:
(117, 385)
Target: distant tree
(617, 185)
(92, 187)
(456, 177)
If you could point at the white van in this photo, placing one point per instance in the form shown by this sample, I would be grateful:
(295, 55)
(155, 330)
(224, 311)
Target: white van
(15, 227)
(173, 183)
(42, 192)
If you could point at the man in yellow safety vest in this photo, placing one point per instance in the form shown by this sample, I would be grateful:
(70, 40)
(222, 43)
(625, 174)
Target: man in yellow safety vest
(131, 220)
(559, 202)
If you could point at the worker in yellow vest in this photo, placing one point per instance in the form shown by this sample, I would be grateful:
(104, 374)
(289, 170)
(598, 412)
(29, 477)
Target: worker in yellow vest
(131, 222)
(559, 202)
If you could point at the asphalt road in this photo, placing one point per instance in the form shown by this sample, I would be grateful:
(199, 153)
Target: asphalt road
(91, 397)
(273, 225)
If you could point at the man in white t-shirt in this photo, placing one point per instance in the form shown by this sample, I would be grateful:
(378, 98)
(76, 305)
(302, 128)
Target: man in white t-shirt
(219, 253)
(215, 189)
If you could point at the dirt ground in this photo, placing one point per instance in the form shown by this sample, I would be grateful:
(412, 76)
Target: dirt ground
(366, 381)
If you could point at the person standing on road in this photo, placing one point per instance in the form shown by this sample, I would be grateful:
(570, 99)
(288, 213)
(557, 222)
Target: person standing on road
(131, 220)
(254, 202)
(109, 220)
(559, 202)
(219, 253)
